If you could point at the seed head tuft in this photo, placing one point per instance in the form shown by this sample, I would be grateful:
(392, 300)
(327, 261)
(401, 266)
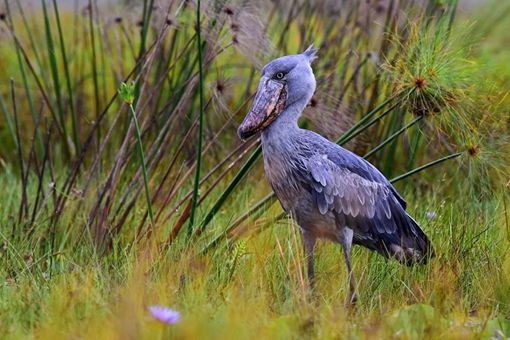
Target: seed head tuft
(419, 83)
(127, 92)
(473, 150)
(380, 8)
(228, 10)
(234, 27)
(220, 86)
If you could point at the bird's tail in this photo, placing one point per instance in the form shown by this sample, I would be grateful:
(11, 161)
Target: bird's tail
(412, 245)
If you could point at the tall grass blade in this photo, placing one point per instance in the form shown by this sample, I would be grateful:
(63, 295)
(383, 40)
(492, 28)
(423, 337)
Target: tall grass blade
(425, 166)
(200, 124)
(9, 122)
(23, 73)
(232, 185)
(262, 204)
(68, 77)
(55, 75)
(348, 134)
(393, 136)
(93, 61)
(24, 196)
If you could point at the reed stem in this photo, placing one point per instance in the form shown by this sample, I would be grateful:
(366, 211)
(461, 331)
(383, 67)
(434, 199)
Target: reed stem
(196, 184)
(142, 161)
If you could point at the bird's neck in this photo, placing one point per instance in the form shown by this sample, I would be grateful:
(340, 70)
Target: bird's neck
(287, 122)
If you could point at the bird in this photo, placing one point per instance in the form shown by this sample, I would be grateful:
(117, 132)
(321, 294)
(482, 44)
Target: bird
(331, 193)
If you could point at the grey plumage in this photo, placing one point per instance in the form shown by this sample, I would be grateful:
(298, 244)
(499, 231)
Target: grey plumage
(330, 192)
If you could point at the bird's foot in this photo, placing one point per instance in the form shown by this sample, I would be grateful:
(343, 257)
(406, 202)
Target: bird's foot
(352, 299)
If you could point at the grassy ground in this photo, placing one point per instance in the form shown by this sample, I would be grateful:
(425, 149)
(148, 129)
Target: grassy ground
(419, 88)
(257, 287)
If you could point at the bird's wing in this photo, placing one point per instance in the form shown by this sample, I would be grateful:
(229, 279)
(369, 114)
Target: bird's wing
(360, 197)
(352, 162)
(346, 159)
(352, 197)
(370, 208)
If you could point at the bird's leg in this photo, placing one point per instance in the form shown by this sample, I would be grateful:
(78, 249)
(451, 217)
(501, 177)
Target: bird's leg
(309, 243)
(345, 239)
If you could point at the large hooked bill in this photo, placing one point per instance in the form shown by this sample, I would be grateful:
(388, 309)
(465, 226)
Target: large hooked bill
(269, 102)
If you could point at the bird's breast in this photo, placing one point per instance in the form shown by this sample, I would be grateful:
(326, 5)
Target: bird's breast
(281, 173)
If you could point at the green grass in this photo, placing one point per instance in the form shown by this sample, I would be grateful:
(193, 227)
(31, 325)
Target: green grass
(92, 209)
(257, 286)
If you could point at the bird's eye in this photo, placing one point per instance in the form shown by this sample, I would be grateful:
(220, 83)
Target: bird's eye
(279, 75)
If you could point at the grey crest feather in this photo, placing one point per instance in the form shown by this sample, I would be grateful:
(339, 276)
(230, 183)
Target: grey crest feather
(310, 53)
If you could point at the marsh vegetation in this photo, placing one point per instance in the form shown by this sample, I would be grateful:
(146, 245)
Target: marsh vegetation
(116, 198)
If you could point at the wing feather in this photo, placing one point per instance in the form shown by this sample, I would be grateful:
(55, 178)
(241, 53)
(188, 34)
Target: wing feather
(372, 208)
(338, 189)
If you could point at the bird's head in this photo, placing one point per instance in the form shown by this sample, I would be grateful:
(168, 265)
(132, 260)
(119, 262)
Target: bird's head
(284, 82)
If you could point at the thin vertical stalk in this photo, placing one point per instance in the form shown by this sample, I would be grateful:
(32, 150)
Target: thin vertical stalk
(8, 121)
(147, 11)
(37, 79)
(68, 78)
(200, 125)
(24, 197)
(94, 69)
(23, 72)
(31, 39)
(54, 72)
(142, 161)
(146, 16)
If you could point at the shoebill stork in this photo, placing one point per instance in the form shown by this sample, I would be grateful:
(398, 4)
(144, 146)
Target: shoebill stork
(329, 191)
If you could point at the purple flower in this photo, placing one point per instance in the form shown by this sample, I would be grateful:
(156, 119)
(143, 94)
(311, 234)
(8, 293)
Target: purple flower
(165, 314)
